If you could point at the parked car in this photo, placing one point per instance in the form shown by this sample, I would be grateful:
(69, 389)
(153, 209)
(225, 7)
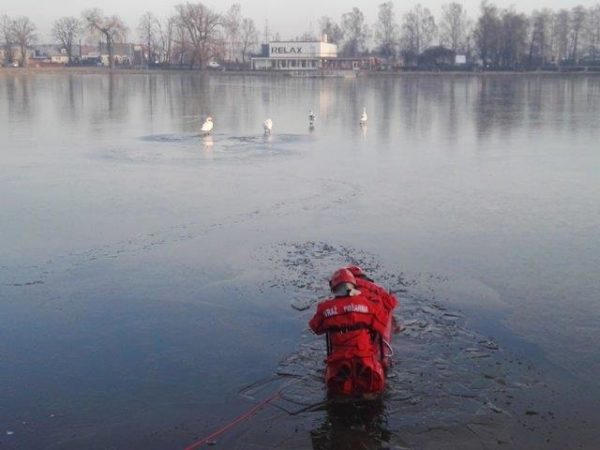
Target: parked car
(213, 65)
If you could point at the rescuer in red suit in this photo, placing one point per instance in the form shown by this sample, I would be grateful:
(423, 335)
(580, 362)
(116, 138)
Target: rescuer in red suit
(355, 327)
(348, 306)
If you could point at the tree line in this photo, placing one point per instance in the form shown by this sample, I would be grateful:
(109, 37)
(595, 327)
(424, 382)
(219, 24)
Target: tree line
(497, 38)
(194, 34)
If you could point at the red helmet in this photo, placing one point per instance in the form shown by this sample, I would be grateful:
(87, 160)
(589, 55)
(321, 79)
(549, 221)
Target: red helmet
(356, 271)
(341, 276)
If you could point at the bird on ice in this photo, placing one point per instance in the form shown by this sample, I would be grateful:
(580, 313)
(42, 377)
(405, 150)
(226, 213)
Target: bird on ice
(311, 117)
(363, 117)
(207, 126)
(268, 126)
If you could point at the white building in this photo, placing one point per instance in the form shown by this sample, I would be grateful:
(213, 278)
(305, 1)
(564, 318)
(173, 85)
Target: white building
(294, 55)
(298, 57)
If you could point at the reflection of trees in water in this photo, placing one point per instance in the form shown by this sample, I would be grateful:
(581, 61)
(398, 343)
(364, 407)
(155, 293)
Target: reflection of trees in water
(460, 92)
(499, 105)
(231, 102)
(151, 88)
(350, 426)
(108, 96)
(387, 93)
(111, 93)
(18, 95)
(444, 108)
(535, 96)
(507, 104)
(421, 100)
(350, 100)
(410, 104)
(9, 92)
(72, 105)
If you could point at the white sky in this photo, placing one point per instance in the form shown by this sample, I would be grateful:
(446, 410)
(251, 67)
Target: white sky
(289, 18)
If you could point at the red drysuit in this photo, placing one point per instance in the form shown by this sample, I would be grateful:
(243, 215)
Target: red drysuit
(376, 293)
(355, 326)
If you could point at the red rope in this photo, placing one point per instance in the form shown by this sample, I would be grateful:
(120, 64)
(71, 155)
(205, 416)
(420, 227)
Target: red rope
(233, 423)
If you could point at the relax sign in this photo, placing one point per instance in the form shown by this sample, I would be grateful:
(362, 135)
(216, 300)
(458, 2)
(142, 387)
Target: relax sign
(301, 49)
(284, 50)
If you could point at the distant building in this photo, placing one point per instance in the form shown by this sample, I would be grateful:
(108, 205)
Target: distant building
(48, 54)
(123, 53)
(306, 56)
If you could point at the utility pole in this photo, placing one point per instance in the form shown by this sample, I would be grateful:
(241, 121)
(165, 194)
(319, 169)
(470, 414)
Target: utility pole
(267, 32)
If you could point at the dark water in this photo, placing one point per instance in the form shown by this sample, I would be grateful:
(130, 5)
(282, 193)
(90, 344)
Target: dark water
(153, 281)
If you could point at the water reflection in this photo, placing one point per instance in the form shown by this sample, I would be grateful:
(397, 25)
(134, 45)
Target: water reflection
(17, 92)
(75, 97)
(448, 108)
(207, 145)
(363, 130)
(268, 138)
(352, 426)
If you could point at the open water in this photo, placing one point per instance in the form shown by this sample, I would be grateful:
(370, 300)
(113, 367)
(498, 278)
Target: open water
(155, 283)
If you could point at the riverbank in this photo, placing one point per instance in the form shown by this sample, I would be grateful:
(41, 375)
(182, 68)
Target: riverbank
(297, 74)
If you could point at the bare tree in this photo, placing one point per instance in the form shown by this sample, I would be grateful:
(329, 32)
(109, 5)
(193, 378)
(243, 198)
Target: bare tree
(487, 34)
(202, 26)
(540, 41)
(355, 31)
(418, 29)
(8, 38)
(111, 28)
(148, 30)
(331, 29)
(249, 37)
(560, 33)
(66, 30)
(386, 30)
(181, 43)
(232, 23)
(593, 32)
(166, 32)
(454, 27)
(24, 35)
(578, 22)
(513, 38)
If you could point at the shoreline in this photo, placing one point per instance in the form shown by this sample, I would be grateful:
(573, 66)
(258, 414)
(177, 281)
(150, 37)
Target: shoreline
(281, 74)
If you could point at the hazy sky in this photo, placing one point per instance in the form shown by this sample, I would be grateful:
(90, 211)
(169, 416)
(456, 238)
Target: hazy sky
(286, 17)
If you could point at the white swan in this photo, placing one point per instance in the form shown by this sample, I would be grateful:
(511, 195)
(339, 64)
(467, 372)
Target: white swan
(268, 126)
(364, 117)
(207, 126)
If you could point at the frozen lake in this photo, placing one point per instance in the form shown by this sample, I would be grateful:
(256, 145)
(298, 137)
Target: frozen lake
(148, 274)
